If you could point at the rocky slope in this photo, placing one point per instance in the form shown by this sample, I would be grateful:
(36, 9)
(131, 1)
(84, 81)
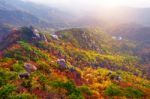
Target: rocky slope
(63, 65)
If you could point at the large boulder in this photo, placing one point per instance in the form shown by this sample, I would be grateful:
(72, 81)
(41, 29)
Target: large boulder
(62, 63)
(24, 75)
(115, 77)
(54, 36)
(29, 67)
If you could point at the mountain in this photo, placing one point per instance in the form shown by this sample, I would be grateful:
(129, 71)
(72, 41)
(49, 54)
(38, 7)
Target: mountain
(37, 14)
(130, 31)
(135, 33)
(4, 31)
(18, 12)
(79, 60)
(12, 15)
(96, 39)
(34, 64)
(18, 18)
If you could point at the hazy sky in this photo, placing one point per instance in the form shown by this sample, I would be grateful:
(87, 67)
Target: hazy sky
(95, 3)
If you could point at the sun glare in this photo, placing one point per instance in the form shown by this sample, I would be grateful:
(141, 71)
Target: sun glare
(111, 3)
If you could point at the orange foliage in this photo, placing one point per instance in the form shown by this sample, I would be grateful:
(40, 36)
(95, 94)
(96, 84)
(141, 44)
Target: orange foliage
(7, 64)
(123, 84)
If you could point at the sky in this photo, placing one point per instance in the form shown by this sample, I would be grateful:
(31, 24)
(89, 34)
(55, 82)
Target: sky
(94, 3)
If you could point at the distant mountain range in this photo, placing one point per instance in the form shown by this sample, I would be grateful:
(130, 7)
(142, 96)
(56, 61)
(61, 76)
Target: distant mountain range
(129, 23)
(18, 12)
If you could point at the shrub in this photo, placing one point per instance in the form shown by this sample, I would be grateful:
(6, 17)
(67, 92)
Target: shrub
(43, 81)
(5, 76)
(44, 66)
(18, 67)
(23, 96)
(6, 90)
(74, 96)
(86, 90)
(31, 52)
(134, 93)
(73, 92)
(113, 90)
(27, 84)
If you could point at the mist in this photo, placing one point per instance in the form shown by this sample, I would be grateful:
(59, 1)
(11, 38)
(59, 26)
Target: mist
(114, 11)
(93, 4)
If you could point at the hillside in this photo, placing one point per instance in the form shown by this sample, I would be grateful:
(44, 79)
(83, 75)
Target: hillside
(96, 39)
(4, 31)
(67, 65)
(19, 18)
(135, 33)
(23, 13)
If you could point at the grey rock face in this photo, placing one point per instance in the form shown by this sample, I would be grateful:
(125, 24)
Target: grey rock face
(54, 36)
(29, 67)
